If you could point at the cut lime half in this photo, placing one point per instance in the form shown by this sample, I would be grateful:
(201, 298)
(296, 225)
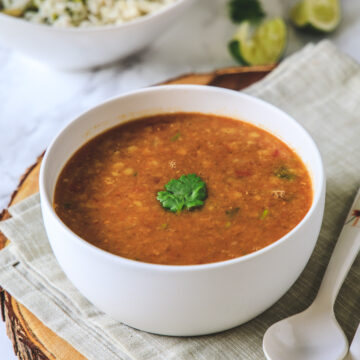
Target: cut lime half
(316, 15)
(262, 45)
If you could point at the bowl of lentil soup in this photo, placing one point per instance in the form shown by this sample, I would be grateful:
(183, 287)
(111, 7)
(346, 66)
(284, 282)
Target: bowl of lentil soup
(183, 210)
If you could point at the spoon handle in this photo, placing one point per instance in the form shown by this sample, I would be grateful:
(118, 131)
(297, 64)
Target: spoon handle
(344, 254)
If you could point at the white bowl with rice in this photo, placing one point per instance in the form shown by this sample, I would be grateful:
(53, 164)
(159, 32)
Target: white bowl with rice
(82, 34)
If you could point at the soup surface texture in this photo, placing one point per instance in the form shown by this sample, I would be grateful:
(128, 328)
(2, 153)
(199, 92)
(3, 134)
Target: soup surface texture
(258, 189)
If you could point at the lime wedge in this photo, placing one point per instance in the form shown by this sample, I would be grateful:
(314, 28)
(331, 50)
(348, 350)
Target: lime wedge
(262, 45)
(316, 15)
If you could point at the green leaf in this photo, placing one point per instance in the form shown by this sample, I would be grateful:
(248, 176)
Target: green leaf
(232, 212)
(187, 192)
(175, 137)
(284, 173)
(264, 214)
(240, 10)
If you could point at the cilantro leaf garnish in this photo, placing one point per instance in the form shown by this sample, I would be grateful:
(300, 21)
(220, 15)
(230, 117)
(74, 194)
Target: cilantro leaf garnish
(232, 212)
(175, 137)
(241, 10)
(187, 192)
(264, 214)
(284, 173)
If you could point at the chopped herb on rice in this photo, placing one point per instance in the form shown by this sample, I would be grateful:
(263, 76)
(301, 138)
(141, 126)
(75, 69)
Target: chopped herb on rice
(81, 13)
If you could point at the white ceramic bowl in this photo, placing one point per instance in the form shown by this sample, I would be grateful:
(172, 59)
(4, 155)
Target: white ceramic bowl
(81, 48)
(182, 300)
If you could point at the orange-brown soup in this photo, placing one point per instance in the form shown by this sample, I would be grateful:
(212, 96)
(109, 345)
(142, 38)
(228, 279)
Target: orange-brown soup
(258, 189)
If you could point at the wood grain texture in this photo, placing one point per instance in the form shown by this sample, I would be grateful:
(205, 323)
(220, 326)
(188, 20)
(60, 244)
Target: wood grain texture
(30, 338)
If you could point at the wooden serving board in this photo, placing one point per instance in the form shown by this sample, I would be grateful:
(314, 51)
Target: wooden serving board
(31, 339)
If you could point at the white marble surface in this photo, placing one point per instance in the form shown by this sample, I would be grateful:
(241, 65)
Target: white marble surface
(36, 102)
(6, 349)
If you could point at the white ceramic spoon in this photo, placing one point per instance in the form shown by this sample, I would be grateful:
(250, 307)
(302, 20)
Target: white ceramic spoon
(315, 334)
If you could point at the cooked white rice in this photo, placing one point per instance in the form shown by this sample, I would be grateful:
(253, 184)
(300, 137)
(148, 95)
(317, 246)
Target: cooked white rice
(82, 13)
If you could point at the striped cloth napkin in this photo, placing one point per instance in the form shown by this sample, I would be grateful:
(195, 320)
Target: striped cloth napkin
(320, 87)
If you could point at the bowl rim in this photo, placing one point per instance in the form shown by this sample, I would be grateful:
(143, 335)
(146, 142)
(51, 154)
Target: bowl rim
(46, 204)
(101, 28)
